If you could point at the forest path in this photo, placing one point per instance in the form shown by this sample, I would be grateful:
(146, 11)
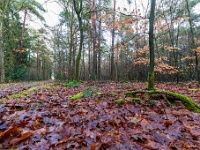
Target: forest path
(16, 90)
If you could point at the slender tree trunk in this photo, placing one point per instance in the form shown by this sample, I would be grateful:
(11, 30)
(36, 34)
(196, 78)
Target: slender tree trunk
(74, 57)
(37, 61)
(177, 57)
(151, 46)
(99, 45)
(78, 10)
(2, 21)
(71, 46)
(83, 62)
(197, 67)
(2, 54)
(89, 51)
(78, 58)
(23, 29)
(112, 69)
(93, 18)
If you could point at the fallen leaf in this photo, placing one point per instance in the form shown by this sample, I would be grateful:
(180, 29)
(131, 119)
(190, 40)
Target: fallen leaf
(23, 137)
(168, 123)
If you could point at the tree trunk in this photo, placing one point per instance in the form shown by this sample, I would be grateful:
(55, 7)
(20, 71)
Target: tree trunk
(112, 67)
(2, 21)
(37, 61)
(71, 46)
(151, 46)
(99, 47)
(78, 10)
(2, 54)
(89, 49)
(23, 28)
(93, 18)
(83, 63)
(197, 68)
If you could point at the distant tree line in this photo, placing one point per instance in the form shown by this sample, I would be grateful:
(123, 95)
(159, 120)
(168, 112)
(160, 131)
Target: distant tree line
(97, 40)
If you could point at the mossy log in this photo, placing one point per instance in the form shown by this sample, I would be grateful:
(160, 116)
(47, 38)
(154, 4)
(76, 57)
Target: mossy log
(187, 102)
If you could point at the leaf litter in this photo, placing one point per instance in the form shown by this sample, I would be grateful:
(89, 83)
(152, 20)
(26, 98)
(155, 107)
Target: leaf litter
(48, 119)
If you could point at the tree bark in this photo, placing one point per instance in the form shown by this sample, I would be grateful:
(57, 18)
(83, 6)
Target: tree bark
(2, 54)
(197, 68)
(71, 46)
(93, 18)
(2, 21)
(99, 47)
(112, 67)
(89, 51)
(151, 46)
(78, 10)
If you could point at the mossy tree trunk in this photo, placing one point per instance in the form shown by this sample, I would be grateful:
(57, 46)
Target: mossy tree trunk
(78, 9)
(151, 46)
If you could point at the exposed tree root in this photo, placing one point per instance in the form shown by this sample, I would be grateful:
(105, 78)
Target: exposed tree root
(187, 102)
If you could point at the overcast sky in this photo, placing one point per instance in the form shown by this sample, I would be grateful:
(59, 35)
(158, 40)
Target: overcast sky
(53, 10)
(51, 16)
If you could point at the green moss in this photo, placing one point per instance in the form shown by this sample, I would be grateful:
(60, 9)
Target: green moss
(77, 96)
(129, 94)
(98, 92)
(150, 80)
(23, 93)
(111, 94)
(151, 102)
(187, 102)
(26, 92)
(193, 90)
(137, 100)
(119, 101)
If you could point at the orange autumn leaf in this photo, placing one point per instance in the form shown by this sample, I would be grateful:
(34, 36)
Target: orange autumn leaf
(23, 137)
(14, 131)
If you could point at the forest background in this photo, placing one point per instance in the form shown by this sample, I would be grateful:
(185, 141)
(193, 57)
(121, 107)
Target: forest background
(99, 40)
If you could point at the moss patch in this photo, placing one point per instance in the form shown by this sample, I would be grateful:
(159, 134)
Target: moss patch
(26, 92)
(193, 90)
(77, 96)
(137, 100)
(119, 101)
(128, 93)
(187, 102)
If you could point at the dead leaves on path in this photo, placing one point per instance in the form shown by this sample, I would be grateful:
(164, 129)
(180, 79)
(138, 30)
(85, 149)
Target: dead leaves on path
(48, 119)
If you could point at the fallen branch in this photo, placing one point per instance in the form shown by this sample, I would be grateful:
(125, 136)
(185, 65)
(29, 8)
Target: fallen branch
(187, 102)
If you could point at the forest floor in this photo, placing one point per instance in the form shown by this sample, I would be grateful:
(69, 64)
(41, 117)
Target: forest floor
(46, 118)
